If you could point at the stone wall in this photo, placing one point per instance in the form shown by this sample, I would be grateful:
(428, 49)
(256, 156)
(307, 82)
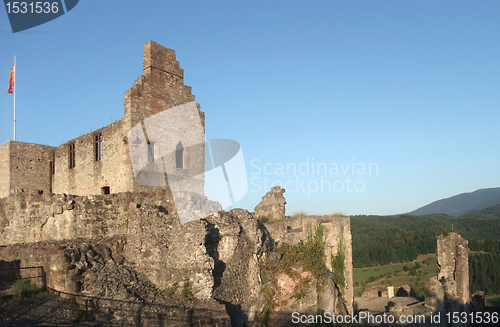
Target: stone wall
(63, 262)
(336, 230)
(28, 217)
(217, 256)
(235, 242)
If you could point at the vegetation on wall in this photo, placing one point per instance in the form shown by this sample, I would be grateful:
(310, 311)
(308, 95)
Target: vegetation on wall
(310, 254)
(338, 267)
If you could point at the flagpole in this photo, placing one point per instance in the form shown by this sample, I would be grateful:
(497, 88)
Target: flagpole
(15, 82)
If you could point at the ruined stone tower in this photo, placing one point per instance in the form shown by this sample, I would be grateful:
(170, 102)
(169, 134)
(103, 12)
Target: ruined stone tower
(449, 290)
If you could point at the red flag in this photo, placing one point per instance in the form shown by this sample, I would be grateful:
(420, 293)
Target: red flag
(12, 79)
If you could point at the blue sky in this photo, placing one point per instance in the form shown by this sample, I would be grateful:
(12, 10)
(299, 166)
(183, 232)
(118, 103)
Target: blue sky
(412, 88)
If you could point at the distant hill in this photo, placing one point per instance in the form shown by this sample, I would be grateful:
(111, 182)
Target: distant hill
(462, 203)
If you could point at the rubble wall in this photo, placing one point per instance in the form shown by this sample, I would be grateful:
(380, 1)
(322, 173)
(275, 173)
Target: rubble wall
(157, 243)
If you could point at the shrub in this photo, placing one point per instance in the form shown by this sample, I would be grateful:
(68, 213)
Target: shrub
(338, 267)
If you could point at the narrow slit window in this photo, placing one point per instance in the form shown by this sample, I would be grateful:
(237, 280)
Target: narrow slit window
(53, 166)
(98, 147)
(179, 156)
(71, 156)
(151, 152)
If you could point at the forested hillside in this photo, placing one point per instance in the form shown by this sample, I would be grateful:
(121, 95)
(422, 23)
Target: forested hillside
(385, 239)
(462, 203)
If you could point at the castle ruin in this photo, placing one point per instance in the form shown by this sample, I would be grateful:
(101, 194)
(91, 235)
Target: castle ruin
(78, 211)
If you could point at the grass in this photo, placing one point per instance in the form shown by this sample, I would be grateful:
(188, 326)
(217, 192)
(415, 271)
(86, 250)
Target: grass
(171, 291)
(300, 213)
(79, 314)
(493, 301)
(187, 291)
(397, 274)
(24, 288)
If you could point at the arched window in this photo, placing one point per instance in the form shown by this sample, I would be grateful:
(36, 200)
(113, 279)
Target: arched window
(179, 156)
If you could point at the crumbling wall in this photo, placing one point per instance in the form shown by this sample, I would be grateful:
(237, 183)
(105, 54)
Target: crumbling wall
(235, 241)
(272, 206)
(218, 256)
(94, 272)
(157, 243)
(336, 231)
(170, 252)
